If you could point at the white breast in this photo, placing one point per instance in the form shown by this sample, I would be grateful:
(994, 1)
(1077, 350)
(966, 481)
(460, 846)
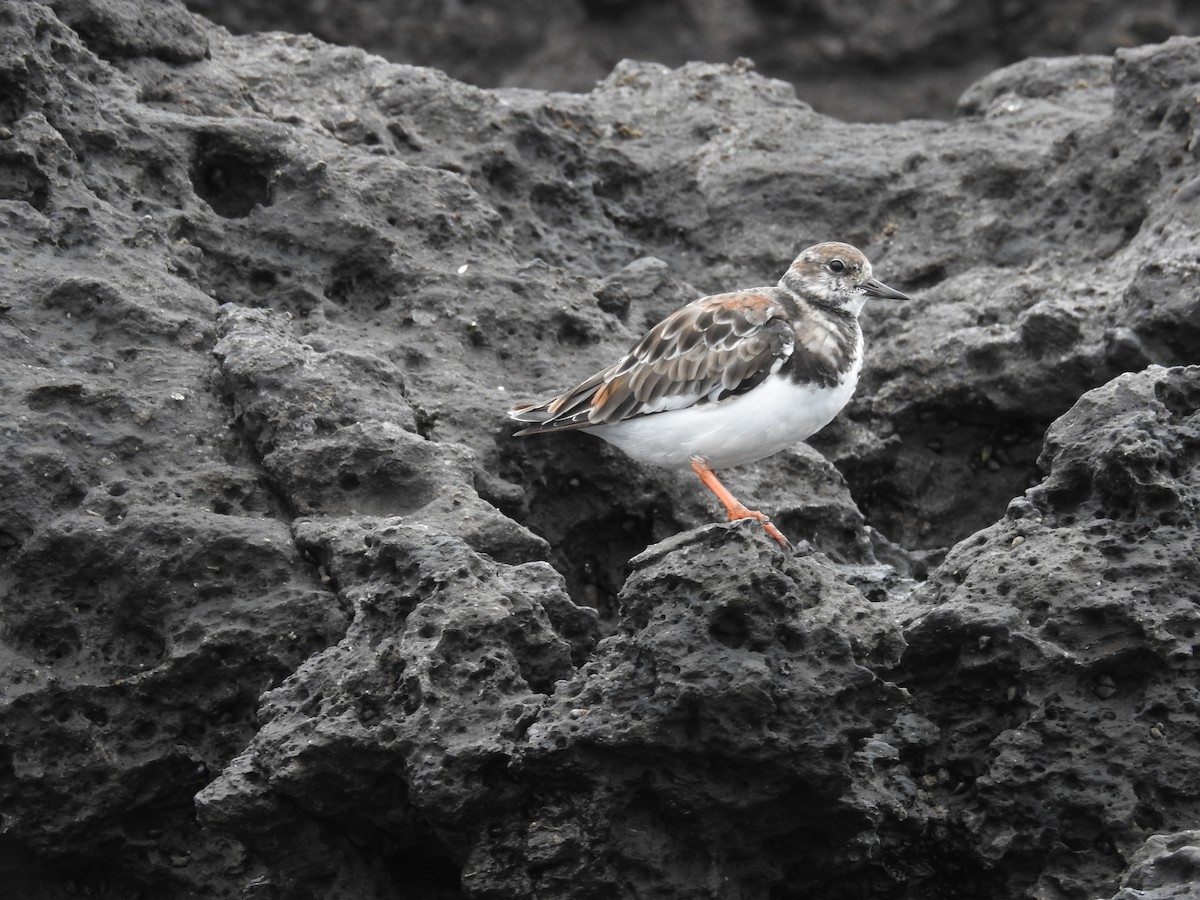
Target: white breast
(752, 426)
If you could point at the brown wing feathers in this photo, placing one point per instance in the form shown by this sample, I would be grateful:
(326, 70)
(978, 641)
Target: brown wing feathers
(715, 346)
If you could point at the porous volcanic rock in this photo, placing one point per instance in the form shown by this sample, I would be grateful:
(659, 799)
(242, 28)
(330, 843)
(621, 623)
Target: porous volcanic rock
(1058, 647)
(1165, 867)
(288, 611)
(854, 59)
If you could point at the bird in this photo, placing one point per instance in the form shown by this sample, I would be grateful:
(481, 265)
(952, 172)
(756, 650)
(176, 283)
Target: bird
(731, 378)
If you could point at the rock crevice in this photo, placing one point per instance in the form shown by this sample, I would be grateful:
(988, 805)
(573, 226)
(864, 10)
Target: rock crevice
(286, 610)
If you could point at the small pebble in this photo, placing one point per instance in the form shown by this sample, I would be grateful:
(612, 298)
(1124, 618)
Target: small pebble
(1105, 687)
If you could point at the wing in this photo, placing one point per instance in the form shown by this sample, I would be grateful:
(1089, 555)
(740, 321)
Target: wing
(712, 348)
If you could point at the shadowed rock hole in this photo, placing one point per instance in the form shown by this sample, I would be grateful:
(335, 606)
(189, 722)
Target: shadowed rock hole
(942, 865)
(425, 868)
(1148, 818)
(594, 557)
(230, 179)
(947, 478)
(47, 642)
(791, 640)
(262, 280)
(591, 513)
(608, 10)
(924, 280)
(359, 285)
(729, 627)
(1181, 398)
(501, 174)
(555, 204)
(12, 101)
(8, 543)
(22, 181)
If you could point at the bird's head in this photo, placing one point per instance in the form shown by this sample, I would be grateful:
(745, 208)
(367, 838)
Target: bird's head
(836, 276)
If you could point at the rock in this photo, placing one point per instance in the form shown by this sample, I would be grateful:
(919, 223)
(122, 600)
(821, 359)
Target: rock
(715, 723)
(737, 677)
(409, 721)
(337, 438)
(116, 29)
(853, 60)
(288, 609)
(138, 637)
(1055, 650)
(1167, 865)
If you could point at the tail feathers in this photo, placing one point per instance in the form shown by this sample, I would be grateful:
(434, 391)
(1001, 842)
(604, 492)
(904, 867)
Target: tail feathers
(570, 409)
(529, 412)
(541, 420)
(534, 413)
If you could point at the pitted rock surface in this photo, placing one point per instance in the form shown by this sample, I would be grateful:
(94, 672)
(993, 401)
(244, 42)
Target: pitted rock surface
(287, 611)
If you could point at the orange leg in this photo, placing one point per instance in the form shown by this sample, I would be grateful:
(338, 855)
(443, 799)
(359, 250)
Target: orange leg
(732, 505)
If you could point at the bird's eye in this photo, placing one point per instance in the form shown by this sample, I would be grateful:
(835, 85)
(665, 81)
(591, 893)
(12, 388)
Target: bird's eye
(836, 266)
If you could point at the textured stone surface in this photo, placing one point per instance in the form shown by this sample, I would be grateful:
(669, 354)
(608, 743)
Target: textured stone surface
(852, 60)
(337, 438)
(1167, 866)
(409, 723)
(286, 611)
(1058, 647)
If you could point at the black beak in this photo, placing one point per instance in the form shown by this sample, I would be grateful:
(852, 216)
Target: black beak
(876, 288)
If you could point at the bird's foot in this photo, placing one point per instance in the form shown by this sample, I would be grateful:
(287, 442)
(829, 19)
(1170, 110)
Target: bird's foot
(742, 512)
(736, 509)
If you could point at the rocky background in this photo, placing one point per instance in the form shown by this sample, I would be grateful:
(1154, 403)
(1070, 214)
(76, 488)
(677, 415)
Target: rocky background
(287, 612)
(851, 59)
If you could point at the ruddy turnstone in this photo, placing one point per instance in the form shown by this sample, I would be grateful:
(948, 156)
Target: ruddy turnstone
(731, 378)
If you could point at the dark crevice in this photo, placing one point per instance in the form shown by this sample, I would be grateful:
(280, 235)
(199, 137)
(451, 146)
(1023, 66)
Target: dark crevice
(232, 178)
(945, 478)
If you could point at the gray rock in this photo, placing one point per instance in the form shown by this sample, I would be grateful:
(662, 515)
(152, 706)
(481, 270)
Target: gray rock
(851, 60)
(1166, 866)
(288, 611)
(1057, 648)
(337, 438)
(123, 29)
(693, 732)
(409, 722)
